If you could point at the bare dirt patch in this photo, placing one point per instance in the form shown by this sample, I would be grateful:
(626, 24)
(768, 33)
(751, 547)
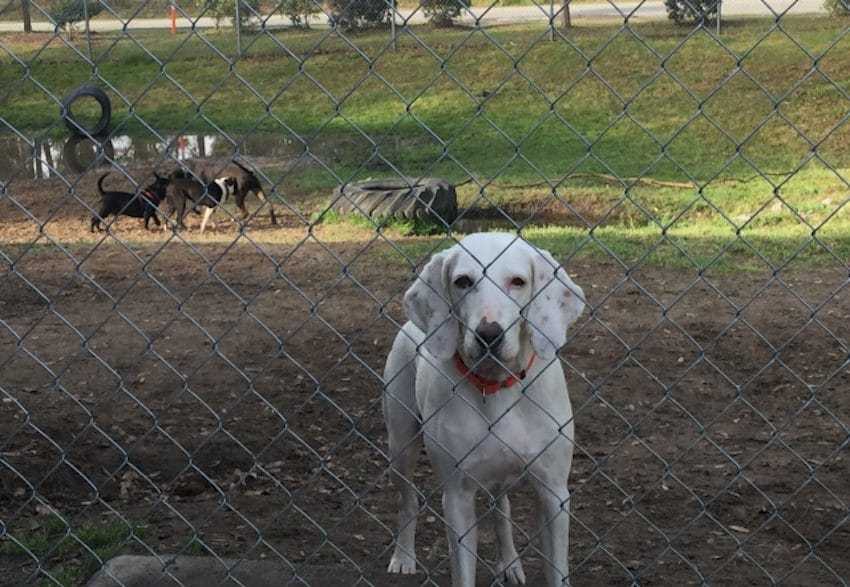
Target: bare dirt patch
(228, 396)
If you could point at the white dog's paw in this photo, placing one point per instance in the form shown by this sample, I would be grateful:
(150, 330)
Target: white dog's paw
(403, 563)
(513, 572)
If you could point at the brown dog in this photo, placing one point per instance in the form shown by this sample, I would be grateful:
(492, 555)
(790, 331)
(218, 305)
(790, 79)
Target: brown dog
(248, 183)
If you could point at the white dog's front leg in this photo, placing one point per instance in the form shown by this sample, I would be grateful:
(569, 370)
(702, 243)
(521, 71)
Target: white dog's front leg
(403, 427)
(404, 555)
(555, 530)
(509, 564)
(207, 213)
(462, 533)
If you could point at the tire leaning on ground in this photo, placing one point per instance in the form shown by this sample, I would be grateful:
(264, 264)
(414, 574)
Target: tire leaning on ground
(105, 111)
(400, 198)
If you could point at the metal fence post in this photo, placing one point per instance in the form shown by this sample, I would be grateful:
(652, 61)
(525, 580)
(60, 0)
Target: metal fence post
(26, 15)
(719, 16)
(238, 24)
(393, 6)
(88, 30)
(552, 20)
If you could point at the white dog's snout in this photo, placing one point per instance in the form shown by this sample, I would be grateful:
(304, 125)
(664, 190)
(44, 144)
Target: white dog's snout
(490, 334)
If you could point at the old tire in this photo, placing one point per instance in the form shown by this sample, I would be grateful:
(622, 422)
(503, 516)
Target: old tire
(103, 101)
(427, 198)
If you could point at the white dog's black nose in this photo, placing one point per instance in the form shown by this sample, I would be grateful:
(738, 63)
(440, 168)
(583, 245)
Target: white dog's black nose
(489, 335)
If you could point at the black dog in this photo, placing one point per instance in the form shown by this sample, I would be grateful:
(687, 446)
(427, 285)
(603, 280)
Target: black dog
(141, 205)
(249, 183)
(185, 188)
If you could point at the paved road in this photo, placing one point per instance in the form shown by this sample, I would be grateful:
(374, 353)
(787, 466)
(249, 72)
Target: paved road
(500, 14)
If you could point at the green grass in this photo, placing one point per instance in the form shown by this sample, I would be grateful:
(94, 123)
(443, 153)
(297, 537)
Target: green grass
(730, 225)
(467, 89)
(652, 104)
(709, 247)
(60, 549)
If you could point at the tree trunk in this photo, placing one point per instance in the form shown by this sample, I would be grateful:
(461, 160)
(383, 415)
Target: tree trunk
(26, 16)
(568, 21)
(39, 173)
(47, 156)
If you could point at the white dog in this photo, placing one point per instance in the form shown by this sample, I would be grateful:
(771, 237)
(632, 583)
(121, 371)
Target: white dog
(216, 198)
(475, 372)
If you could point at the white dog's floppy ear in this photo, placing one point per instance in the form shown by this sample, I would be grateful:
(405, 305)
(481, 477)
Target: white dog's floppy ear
(428, 306)
(557, 303)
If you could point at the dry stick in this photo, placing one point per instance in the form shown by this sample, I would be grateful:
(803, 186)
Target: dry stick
(611, 178)
(615, 179)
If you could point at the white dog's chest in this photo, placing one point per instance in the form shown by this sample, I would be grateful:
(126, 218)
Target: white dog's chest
(498, 438)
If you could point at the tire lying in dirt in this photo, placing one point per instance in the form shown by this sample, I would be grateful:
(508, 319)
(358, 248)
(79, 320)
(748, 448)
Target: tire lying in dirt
(71, 153)
(426, 198)
(100, 97)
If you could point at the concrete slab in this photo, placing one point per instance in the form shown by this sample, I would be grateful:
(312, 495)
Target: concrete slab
(191, 571)
(194, 571)
(206, 571)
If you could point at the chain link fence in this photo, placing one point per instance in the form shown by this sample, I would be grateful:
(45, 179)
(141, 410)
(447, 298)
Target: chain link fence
(171, 393)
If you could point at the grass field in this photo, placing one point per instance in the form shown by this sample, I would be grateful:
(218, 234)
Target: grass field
(745, 142)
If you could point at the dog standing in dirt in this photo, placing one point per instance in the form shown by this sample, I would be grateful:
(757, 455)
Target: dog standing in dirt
(476, 374)
(250, 183)
(185, 188)
(141, 205)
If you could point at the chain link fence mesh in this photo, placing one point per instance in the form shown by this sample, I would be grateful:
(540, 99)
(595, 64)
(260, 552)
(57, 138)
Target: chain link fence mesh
(170, 393)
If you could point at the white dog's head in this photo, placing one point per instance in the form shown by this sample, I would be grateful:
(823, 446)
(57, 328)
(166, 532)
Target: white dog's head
(494, 299)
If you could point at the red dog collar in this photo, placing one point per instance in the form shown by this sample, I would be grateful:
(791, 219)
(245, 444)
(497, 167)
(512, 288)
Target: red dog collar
(489, 386)
(151, 196)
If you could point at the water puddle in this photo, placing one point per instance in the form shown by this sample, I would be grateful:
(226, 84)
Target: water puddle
(46, 158)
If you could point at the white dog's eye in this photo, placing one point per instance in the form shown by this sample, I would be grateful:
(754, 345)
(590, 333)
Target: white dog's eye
(518, 282)
(463, 282)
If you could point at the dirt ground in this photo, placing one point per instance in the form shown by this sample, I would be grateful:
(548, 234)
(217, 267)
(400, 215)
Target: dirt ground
(229, 395)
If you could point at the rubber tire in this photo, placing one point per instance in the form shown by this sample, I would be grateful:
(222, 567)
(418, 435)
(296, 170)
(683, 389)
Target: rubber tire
(70, 154)
(401, 198)
(105, 111)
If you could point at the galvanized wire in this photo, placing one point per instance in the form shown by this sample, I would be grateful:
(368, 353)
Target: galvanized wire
(298, 566)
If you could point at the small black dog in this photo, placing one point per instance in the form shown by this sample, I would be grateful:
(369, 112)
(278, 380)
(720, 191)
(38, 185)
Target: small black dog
(248, 183)
(141, 205)
(186, 188)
